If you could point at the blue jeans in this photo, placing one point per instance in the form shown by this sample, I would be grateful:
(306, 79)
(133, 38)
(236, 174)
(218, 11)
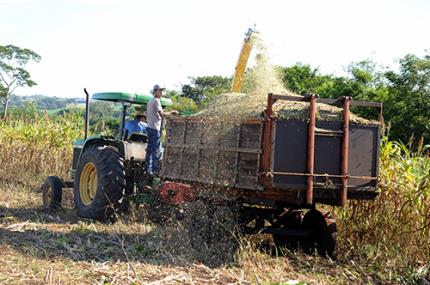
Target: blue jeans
(153, 151)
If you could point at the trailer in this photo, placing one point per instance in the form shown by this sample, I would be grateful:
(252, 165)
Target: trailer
(278, 170)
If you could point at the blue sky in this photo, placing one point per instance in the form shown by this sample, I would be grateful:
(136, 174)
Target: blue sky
(108, 45)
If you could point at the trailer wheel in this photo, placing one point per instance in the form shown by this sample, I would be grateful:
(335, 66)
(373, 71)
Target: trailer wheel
(323, 236)
(52, 193)
(291, 219)
(99, 183)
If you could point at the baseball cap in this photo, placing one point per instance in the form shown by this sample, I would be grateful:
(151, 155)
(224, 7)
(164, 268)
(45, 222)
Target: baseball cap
(157, 87)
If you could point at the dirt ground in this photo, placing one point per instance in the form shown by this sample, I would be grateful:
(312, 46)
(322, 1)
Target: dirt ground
(40, 247)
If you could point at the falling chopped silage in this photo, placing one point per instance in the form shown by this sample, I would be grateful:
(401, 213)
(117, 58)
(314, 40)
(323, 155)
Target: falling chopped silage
(230, 109)
(201, 231)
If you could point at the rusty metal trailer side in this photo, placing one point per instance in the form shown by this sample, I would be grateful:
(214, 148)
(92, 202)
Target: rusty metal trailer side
(325, 145)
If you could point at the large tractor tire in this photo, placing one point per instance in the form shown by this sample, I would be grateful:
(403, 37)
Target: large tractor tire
(52, 193)
(99, 183)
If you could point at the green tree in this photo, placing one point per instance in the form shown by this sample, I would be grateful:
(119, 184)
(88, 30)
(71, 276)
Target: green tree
(13, 74)
(184, 105)
(302, 78)
(204, 88)
(405, 93)
(364, 81)
(408, 104)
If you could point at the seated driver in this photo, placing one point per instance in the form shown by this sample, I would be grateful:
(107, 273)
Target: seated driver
(138, 125)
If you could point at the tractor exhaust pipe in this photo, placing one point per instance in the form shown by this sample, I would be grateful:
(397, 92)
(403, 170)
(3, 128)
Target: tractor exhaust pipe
(87, 111)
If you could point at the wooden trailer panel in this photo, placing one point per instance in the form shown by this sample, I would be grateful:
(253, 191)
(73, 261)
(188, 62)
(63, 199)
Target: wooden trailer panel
(196, 151)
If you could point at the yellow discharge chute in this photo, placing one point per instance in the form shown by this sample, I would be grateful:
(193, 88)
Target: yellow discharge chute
(239, 74)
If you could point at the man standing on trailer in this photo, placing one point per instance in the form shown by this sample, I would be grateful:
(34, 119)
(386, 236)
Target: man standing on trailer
(154, 113)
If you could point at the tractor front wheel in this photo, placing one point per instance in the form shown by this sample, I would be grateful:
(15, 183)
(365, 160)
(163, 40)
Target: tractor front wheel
(99, 183)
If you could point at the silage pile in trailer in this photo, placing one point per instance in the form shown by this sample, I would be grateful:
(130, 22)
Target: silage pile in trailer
(233, 108)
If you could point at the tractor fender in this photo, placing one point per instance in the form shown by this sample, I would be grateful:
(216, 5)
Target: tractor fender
(80, 146)
(99, 140)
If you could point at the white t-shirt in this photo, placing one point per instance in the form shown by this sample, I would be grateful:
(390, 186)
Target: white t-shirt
(153, 117)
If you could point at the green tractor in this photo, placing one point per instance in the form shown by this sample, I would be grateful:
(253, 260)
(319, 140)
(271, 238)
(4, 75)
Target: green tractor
(107, 170)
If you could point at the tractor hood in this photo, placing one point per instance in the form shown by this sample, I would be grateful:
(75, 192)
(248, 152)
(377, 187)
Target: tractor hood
(131, 98)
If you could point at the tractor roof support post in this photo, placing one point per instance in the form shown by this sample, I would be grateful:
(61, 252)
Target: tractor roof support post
(122, 122)
(87, 112)
(311, 150)
(345, 151)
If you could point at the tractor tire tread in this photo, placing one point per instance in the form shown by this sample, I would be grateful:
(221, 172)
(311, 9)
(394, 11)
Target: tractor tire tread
(111, 183)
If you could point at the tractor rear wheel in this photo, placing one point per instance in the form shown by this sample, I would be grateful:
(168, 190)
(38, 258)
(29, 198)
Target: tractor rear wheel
(99, 183)
(52, 193)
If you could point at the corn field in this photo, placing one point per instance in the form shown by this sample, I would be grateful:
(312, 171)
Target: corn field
(32, 149)
(394, 230)
(391, 233)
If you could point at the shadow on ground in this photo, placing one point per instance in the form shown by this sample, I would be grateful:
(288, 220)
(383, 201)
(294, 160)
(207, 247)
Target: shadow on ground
(60, 234)
(37, 215)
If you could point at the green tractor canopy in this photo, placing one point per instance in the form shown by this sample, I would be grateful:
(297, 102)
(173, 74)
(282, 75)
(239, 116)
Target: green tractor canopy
(129, 98)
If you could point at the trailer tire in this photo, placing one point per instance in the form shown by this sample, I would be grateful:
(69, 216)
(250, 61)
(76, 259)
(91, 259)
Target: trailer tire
(52, 191)
(323, 236)
(288, 220)
(99, 183)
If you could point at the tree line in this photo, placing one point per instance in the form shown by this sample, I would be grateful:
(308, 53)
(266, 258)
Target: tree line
(42, 102)
(405, 90)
